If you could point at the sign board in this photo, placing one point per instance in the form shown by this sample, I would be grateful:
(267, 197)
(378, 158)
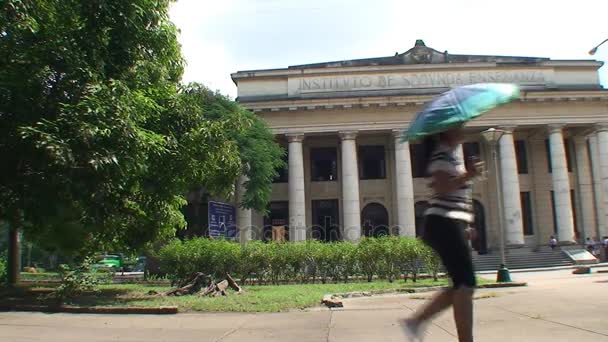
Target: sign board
(222, 220)
(415, 80)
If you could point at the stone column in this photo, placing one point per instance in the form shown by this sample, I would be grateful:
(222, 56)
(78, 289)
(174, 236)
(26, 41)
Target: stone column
(602, 148)
(584, 187)
(243, 216)
(297, 198)
(350, 187)
(561, 185)
(406, 217)
(513, 223)
(597, 186)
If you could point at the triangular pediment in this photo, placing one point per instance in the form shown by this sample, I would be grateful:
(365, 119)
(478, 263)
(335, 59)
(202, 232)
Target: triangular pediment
(422, 54)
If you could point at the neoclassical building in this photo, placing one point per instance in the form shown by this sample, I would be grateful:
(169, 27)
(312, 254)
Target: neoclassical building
(349, 175)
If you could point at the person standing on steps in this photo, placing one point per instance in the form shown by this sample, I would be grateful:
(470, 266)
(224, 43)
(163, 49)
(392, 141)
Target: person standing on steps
(446, 223)
(553, 242)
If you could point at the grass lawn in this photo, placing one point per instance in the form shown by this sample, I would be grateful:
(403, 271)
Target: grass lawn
(265, 298)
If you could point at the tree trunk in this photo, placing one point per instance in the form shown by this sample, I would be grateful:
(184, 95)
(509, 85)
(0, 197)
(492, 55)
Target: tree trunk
(233, 284)
(14, 259)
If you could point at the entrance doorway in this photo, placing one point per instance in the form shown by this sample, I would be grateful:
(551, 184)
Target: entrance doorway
(278, 216)
(374, 220)
(325, 220)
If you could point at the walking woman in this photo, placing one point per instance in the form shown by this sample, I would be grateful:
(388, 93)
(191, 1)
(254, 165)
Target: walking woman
(446, 230)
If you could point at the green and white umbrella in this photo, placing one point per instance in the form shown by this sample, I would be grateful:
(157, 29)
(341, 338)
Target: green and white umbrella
(460, 105)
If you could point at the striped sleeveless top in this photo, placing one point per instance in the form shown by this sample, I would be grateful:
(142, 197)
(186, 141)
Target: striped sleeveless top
(458, 204)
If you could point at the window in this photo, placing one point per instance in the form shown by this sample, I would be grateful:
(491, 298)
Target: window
(471, 149)
(522, 156)
(283, 173)
(324, 164)
(526, 208)
(568, 155)
(574, 212)
(417, 158)
(371, 162)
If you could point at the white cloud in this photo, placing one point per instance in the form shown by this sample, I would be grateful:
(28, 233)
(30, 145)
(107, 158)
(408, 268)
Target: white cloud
(221, 37)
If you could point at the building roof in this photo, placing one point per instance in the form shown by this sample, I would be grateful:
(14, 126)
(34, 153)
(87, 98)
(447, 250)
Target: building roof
(421, 54)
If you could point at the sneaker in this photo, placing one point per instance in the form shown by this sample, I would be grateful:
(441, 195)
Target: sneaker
(412, 329)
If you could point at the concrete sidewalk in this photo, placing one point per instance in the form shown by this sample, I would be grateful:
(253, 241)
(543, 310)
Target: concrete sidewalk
(556, 306)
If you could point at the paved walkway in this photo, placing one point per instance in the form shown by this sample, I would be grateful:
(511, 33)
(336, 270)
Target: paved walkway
(556, 306)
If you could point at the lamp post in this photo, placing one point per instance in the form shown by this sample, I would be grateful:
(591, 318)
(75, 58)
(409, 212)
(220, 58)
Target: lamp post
(594, 50)
(492, 136)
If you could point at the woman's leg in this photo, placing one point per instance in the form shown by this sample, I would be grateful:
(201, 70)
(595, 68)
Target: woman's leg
(440, 301)
(453, 249)
(434, 231)
(463, 313)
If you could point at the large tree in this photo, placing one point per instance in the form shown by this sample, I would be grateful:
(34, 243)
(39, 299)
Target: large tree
(98, 140)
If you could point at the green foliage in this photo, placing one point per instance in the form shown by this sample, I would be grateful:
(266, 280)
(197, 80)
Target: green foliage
(260, 156)
(411, 255)
(300, 262)
(99, 141)
(432, 261)
(3, 268)
(390, 263)
(75, 280)
(369, 256)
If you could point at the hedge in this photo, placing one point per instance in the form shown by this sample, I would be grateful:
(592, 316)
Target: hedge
(299, 262)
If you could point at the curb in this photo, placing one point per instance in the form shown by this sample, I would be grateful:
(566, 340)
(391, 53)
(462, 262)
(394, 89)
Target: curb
(331, 300)
(546, 269)
(162, 310)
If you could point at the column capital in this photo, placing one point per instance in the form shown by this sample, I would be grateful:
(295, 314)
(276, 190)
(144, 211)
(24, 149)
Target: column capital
(555, 128)
(348, 135)
(294, 137)
(507, 129)
(600, 127)
(398, 133)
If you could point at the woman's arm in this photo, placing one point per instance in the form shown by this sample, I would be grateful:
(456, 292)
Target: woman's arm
(443, 182)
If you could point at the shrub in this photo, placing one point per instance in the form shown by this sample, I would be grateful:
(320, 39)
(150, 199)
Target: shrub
(75, 280)
(3, 269)
(431, 261)
(369, 255)
(411, 257)
(307, 261)
(389, 264)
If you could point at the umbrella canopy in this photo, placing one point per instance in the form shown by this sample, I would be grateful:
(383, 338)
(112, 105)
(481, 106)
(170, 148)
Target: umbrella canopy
(458, 106)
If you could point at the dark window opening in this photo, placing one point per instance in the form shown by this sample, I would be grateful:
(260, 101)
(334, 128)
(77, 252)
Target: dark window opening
(416, 160)
(471, 149)
(324, 164)
(526, 208)
(372, 162)
(522, 156)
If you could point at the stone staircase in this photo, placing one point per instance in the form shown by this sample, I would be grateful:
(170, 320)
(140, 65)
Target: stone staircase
(522, 258)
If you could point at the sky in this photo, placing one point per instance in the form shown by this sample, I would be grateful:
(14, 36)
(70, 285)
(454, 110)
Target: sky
(219, 37)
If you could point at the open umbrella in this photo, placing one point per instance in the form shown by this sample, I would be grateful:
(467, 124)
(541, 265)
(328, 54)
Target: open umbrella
(458, 106)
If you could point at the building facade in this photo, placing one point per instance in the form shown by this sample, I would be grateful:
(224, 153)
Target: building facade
(349, 175)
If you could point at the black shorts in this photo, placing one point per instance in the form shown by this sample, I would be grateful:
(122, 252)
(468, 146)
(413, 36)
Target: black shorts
(447, 237)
